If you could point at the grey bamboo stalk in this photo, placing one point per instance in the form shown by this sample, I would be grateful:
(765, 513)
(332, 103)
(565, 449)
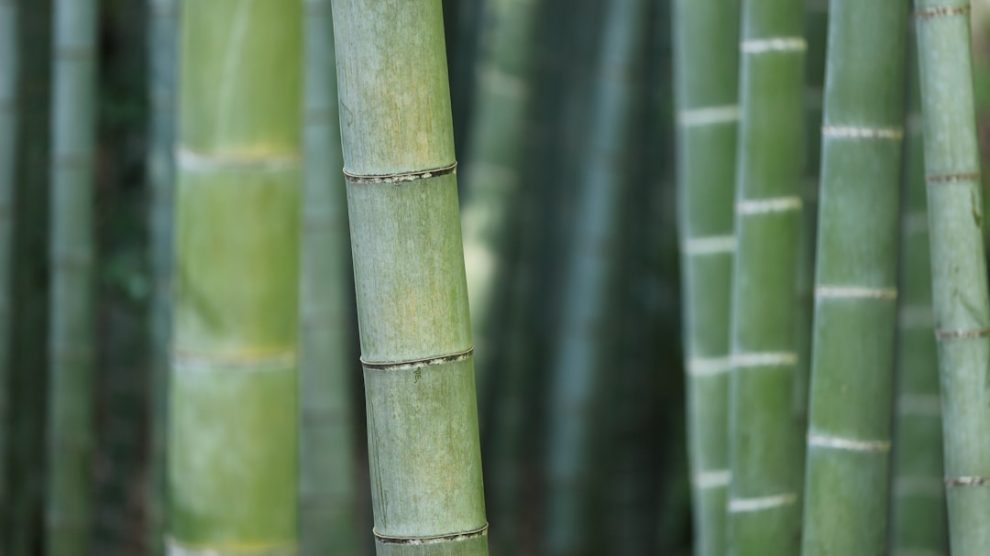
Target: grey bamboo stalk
(233, 411)
(959, 272)
(765, 447)
(327, 502)
(849, 436)
(413, 314)
(583, 349)
(163, 27)
(70, 422)
(9, 124)
(706, 54)
(918, 513)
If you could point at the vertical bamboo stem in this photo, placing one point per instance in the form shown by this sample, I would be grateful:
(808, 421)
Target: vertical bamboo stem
(413, 315)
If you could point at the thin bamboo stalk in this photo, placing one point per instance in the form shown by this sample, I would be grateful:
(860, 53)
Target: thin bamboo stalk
(765, 447)
(849, 436)
(413, 315)
(918, 512)
(71, 342)
(327, 492)
(581, 356)
(959, 272)
(706, 54)
(162, 50)
(233, 407)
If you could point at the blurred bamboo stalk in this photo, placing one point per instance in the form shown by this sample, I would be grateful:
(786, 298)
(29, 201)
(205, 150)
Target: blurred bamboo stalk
(849, 436)
(959, 271)
(918, 512)
(400, 168)
(233, 409)
(327, 489)
(765, 447)
(706, 47)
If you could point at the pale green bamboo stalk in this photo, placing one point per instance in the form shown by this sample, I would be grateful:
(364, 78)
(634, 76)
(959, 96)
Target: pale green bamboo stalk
(327, 503)
(849, 436)
(918, 512)
(959, 272)
(765, 448)
(413, 315)
(706, 54)
(9, 124)
(233, 407)
(71, 341)
(162, 50)
(581, 358)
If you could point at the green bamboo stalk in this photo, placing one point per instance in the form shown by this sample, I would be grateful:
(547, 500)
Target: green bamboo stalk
(706, 54)
(849, 436)
(959, 273)
(71, 342)
(413, 315)
(327, 495)
(162, 50)
(9, 122)
(918, 512)
(765, 448)
(581, 357)
(233, 407)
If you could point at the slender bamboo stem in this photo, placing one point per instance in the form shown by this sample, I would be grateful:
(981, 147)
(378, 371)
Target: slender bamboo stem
(413, 315)
(327, 494)
(918, 512)
(71, 343)
(849, 437)
(233, 407)
(706, 47)
(959, 272)
(765, 445)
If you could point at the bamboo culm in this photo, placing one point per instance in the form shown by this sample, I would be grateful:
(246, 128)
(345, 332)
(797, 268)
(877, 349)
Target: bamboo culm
(765, 448)
(327, 491)
(397, 138)
(959, 272)
(706, 54)
(918, 513)
(233, 410)
(71, 342)
(849, 436)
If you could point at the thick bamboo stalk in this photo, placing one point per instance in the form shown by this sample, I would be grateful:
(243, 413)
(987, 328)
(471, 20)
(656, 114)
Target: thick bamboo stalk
(413, 315)
(233, 408)
(162, 50)
(71, 342)
(327, 493)
(581, 357)
(918, 512)
(849, 436)
(959, 272)
(706, 54)
(765, 448)
(9, 122)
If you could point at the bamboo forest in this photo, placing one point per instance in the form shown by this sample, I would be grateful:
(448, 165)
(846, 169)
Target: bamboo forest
(507, 277)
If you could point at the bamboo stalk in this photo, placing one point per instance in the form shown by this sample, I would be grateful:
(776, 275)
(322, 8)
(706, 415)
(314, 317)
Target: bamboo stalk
(765, 445)
(233, 408)
(918, 512)
(327, 494)
(706, 47)
(413, 315)
(849, 437)
(70, 425)
(162, 49)
(959, 273)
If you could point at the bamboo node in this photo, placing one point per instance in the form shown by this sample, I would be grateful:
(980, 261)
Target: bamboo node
(855, 292)
(759, 504)
(764, 359)
(710, 245)
(718, 478)
(176, 548)
(709, 115)
(432, 539)
(953, 178)
(773, 44)
(931, 486)
(748, 207)
(183, 361)
(862, 132)
(942, 11)
(402, 177)
(967, 481)
(192, 161)
(417, 363)
(942, 334)
(699, 367)
(819, 440)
